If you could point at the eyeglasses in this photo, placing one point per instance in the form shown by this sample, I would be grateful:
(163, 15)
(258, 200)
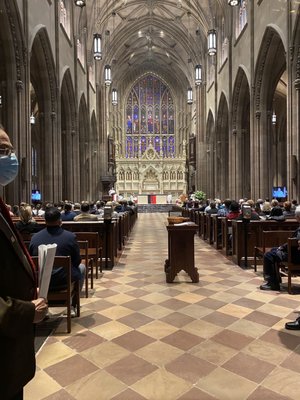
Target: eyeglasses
(6, 151)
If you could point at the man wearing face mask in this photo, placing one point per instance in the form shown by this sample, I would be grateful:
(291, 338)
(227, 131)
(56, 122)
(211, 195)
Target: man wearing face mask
(20, 308)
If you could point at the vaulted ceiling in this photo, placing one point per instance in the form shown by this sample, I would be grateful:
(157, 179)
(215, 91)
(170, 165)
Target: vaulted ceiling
(167, 37)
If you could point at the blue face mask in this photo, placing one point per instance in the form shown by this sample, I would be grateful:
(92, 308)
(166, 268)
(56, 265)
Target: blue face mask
(9, 167)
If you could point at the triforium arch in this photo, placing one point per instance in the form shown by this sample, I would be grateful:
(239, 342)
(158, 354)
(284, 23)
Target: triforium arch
(294, 143)
(222, 149)
(270, 150)
(45, 148)
(151, 142)
(210, 156)
(240, 170)
(69, 139)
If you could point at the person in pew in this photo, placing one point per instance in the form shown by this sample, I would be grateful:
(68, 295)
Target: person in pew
(76, 208)
(276, 255)
(225, 209)
(85, 214)
(258, 210)
(266, 207)
(212, 208)
(20, 308)
(100, 208)
(66, 246)
(234, 210)
(68, 214)
(287, 210)
(27, 224)
(276, 214)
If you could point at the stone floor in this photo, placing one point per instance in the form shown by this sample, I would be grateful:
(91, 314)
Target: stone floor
(139, 338)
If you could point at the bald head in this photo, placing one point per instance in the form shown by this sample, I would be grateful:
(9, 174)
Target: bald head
(4, 139)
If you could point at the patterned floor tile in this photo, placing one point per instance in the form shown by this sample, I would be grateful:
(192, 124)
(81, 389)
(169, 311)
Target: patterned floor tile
(140, 338)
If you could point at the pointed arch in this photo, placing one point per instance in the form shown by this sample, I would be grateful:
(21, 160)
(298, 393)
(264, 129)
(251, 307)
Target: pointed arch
(210, 155)
(294, 149)
(222, 149)
(240, 111)
(84, 146)
(43, 100)
(95, 157)
(270, 97)
(69, 137)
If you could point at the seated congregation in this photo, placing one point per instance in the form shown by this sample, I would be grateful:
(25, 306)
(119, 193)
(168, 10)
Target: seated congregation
(238, 237)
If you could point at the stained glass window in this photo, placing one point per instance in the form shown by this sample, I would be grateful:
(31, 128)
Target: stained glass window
(150, 119)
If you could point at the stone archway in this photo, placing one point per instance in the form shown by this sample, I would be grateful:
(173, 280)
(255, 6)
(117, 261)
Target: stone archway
(210, 156)
(270, 76)
(222, 149)
(240, 141)
(45, 138)
(69, 139)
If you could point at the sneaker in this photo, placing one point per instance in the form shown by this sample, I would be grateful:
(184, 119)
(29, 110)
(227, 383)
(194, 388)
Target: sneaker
(73, 312)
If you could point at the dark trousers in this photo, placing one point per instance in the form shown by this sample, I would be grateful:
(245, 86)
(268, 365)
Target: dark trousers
(271, 258)
(18, 396)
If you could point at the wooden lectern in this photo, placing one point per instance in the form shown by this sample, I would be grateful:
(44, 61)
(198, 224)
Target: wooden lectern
(181, 252)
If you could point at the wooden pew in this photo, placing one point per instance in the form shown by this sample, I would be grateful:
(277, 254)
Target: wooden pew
(292, 265)
(254, 236)
(209, 228)
(106, 232)
(226, 229)
(203, 226)
(270, 239)
(216, 231)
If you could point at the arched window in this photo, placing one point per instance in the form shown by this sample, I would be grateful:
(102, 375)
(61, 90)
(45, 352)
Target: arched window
(150, 118)
(65, 16)
(224, 44)
(241, 17)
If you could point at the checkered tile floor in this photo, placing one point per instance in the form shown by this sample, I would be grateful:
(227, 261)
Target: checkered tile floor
(140, 338)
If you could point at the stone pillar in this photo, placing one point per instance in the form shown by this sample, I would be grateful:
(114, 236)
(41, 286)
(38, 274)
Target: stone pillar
(255, 159)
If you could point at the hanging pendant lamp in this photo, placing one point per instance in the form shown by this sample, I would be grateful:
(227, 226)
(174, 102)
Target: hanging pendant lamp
(80, 3)
(212, 42)
(107, 75)
(97, 47)
(114, 97)
(190, 96)
(198, 75)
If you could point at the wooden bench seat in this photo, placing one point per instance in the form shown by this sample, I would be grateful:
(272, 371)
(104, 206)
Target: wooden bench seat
(292, 266)
(270, 239)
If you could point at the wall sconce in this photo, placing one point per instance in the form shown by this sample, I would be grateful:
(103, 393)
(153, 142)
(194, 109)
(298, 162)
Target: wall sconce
(32, 119)
(190, 96)
(0, 100)
(114, 97)
(79, 3)
(198, 74)
(274, 118)
(212, 42)
(233, 3)
(97, 47)
(107, 75)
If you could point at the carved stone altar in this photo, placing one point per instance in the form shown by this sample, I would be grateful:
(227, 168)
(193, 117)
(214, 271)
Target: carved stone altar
(151, 174)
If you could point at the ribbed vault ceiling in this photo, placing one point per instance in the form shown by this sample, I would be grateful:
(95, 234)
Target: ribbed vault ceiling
(167, 37)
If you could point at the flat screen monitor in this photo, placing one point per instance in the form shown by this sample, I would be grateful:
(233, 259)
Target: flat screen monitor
(279, 192)
(36, 195)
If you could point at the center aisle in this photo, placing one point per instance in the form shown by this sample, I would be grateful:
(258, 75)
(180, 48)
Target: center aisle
(140, 338)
